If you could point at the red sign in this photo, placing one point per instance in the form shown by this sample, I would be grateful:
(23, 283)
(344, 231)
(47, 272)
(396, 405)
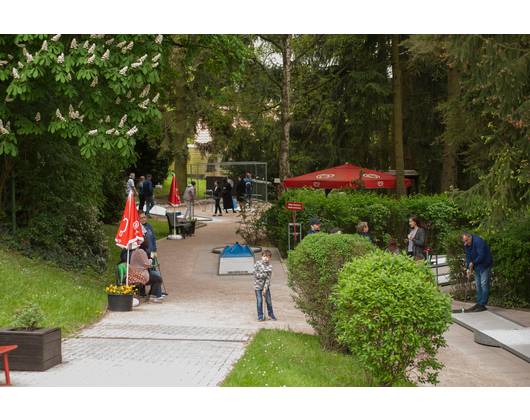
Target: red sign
(294, 206)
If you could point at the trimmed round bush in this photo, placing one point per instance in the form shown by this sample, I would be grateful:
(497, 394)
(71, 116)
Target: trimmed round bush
(391, 316)
(313, 269)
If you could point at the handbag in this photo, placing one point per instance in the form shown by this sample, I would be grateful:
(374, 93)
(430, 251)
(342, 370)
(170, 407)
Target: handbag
(136, 277)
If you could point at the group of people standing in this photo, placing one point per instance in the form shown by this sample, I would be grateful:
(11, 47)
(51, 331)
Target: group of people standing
(479, 259)
(223, 191)
(144, 190)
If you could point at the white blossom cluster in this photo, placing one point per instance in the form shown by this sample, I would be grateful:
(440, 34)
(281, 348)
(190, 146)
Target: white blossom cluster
(145, 92)
(20, 65)
(2, 129)
(92, 49)
(56, 37)
(80, 103)
(107, 120)
(159, 39)
(110, 41)
(143, 105)
(123, 70)
(15, 73)
(81, 117)
(2, 62)
(122, 121)
(69, 76)
(132, 100)
(8, 99)
(98, 36)
(92, 132)
(91, 58)
(105, 56)
(128, 47)
(110, 131)
(60, 59)
(116, 133)
(94, 82)
(121, 44)
(44, 45)
(86, 44)
(29, 58)
(118, 100)
(155, 65)
(131, 131)
(128, 95)
(73, 115)
(9, 56)
(100, 121)
(37, 117)
(73, 44)
(58, 114)
(155, 99)
(156, 57)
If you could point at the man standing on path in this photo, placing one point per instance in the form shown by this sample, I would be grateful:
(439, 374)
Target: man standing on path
(130, 185)
(148, 194)
(479, 260)
(189, 196)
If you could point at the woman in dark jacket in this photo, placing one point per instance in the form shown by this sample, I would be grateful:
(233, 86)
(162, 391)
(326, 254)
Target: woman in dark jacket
(241, 191)
(217, 198)
(416, 238)
(226, 189)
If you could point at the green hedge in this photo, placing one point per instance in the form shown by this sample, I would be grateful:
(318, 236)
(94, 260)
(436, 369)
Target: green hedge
(392, 317)
(313, 270)
(387, 217)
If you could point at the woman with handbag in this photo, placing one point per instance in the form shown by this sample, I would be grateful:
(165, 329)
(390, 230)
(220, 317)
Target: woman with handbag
(142, 264)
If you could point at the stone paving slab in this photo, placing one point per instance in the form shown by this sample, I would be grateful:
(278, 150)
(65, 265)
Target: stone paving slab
(492, 329)
(148, 356)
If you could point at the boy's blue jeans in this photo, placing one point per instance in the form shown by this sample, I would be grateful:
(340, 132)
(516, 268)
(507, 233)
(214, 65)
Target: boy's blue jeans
(482, 281)
(259, 302)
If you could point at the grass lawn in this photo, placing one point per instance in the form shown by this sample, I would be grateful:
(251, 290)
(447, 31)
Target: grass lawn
(69, 299)
(278, 358)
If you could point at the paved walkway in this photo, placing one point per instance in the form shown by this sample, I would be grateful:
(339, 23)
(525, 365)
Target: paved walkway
(204, 324)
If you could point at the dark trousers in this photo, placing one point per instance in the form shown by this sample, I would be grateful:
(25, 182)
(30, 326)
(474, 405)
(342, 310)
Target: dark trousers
(218, 206)
(142, 201)
(155, 281)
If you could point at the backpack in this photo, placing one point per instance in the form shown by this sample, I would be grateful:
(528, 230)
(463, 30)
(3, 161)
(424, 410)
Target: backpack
(224, 189)
(249, 185)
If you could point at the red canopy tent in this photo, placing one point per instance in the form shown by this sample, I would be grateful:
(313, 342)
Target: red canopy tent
(342, 177)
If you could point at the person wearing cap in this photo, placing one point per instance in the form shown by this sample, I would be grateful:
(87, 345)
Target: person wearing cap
(314, 226)
(335, 230)
(189, 196)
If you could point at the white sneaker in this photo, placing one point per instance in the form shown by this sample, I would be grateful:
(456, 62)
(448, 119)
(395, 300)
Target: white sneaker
(154, 299)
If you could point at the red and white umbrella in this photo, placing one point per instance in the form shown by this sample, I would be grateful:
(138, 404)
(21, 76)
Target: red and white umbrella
(129, 234)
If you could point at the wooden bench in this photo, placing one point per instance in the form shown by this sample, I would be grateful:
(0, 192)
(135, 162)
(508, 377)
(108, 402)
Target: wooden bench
(4, 350)
(183, 227)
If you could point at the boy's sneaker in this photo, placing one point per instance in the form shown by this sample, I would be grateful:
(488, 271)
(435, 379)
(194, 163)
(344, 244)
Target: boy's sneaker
(261, 318)
(271, 316)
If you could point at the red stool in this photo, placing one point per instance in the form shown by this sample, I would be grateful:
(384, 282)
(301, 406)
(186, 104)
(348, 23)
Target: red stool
(4, 350)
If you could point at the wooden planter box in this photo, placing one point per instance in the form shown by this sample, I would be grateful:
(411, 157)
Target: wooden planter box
(37, 350)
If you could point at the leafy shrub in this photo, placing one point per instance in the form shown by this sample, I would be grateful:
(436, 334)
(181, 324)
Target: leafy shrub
(392, 317)
(84, 236)
(313, 269)
(386, 216)
(81, 246)
(27, 317)
(251, 227)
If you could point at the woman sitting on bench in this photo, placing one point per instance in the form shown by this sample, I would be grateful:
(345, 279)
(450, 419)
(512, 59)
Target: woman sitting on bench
(141, 263)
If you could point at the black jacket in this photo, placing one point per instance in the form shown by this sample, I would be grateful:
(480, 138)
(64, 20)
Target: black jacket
(240, 190)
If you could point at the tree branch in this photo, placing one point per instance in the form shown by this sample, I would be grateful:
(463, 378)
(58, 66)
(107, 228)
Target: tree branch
(295, 97)
(271, 41)
(267, 73)
(307, 49)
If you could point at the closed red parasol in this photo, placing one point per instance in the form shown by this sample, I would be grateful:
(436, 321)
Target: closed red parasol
(174, 198)
(342, 177)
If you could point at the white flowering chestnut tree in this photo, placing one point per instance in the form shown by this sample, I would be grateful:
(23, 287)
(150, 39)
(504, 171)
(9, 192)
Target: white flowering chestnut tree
(96, 89)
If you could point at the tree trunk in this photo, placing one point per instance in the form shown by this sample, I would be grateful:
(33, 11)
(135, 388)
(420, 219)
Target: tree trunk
(398, 120)
(285, 171)
(449, 160)
(181, 138)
